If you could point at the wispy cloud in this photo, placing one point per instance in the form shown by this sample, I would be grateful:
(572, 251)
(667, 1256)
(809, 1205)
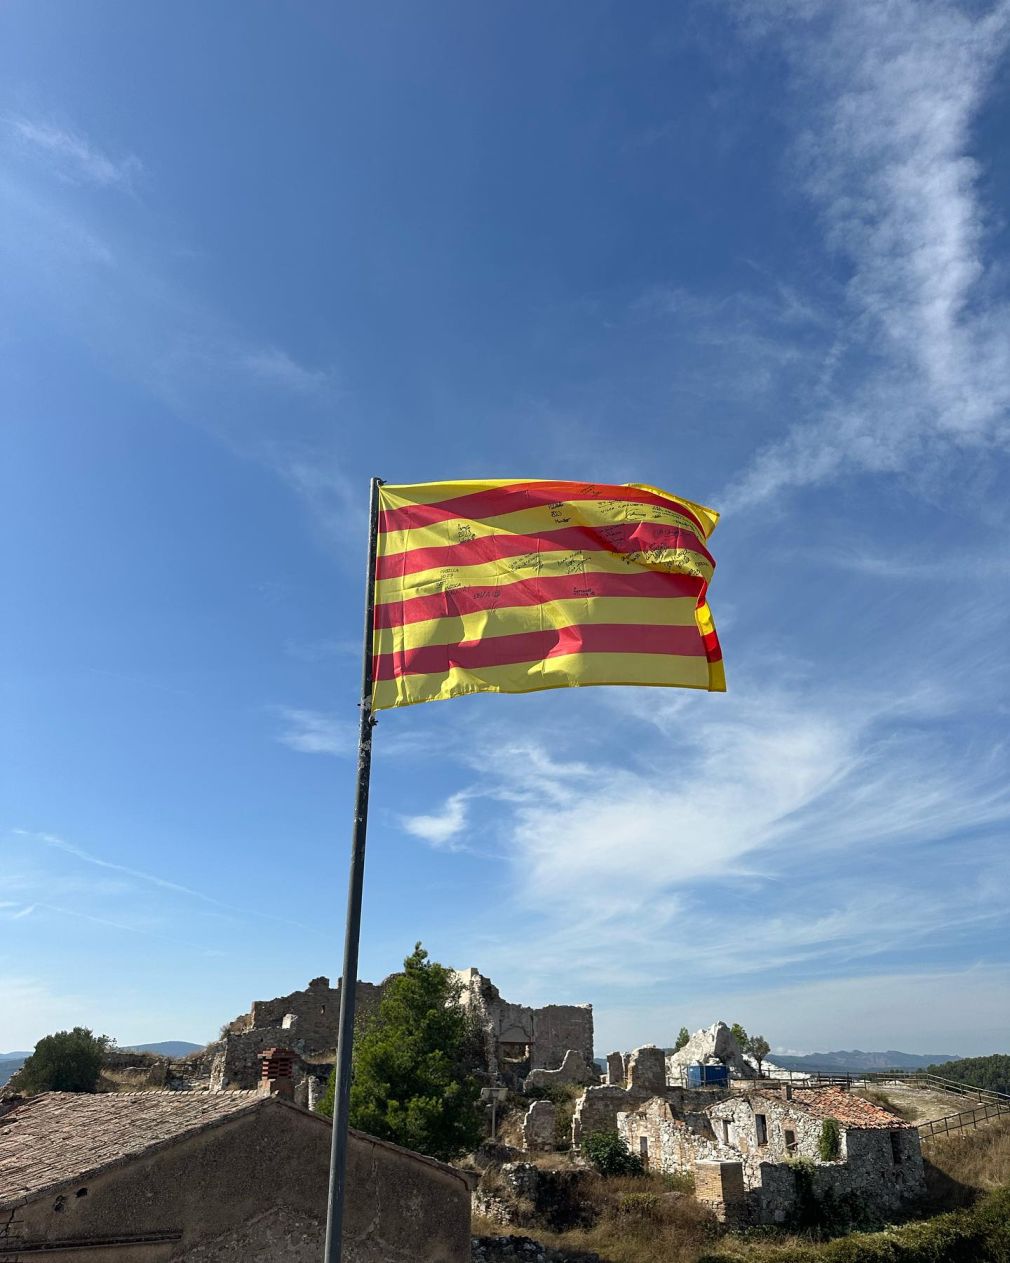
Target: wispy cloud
(72, 156)
(315, 732)
(153, 918)
(277, 367)
(889, 93)
(770, 834)
(442, 829)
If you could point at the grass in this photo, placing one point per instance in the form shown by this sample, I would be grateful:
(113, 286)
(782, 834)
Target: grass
(639, 1219)
(966, 1164)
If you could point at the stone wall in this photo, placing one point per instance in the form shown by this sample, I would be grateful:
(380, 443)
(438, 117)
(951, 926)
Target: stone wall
(668, 1143)
(600, 1108)
(520, 1038)
(310, 1016)
(539, 1125)
(573, 1069)
(645, 1069)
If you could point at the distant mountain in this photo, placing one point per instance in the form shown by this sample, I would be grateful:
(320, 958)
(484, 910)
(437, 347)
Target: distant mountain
(10, 1064)
(167, 1048)
(854, 1060)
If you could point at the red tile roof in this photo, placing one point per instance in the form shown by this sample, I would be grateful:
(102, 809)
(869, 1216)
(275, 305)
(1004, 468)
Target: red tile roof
(851, 1111)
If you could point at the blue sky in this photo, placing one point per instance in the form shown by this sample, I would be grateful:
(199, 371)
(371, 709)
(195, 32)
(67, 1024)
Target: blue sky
(756, 253)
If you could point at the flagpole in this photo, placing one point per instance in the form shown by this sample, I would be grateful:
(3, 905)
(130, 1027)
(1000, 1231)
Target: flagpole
(349, 975)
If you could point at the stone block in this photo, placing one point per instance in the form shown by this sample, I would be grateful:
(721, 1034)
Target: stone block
(539, 1125)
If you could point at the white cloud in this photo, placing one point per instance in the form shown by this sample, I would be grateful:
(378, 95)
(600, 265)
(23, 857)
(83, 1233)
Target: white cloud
(73, 157)
(314, 732)
(762, 833)
(888, 94)
(441, 830)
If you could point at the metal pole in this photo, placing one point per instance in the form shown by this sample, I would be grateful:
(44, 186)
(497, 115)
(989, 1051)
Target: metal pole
(349, 976)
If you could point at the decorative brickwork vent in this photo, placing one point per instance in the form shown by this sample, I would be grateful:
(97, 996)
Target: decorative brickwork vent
(277, 1072)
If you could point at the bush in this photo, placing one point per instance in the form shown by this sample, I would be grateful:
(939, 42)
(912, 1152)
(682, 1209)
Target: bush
(609, 1155)
(829, 1144)
(68, 1061)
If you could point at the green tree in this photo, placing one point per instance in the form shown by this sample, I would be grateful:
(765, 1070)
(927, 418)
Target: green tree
(759, 1048)
(740, 1035)
(992, 1072)
(412, 1080)
(682, 1039)
(67, 1061)
(608, 1154)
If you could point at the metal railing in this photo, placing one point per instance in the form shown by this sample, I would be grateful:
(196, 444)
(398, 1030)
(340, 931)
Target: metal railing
(963, 1119)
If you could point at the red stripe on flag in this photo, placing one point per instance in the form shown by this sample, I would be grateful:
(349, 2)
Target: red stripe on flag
(521, 495)
(469, 600)
(498, 651)
(713, 650)
(621, 537)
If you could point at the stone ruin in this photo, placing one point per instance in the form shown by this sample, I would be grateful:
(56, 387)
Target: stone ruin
(553, 1043)
(522, 1042)
(739, 1138)
(304, 1021)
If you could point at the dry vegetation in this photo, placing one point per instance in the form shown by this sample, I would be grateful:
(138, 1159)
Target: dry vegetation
(640, 1219)
(961, 1166)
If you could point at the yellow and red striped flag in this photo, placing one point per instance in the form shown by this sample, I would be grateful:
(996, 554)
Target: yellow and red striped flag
(508, 587)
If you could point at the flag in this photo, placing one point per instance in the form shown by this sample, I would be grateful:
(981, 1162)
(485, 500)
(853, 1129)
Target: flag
(510, 586)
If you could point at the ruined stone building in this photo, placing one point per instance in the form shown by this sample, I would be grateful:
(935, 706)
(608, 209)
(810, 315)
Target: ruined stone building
(305, 1022)
(520, 1039)
(748, 1143)
(160, 1177)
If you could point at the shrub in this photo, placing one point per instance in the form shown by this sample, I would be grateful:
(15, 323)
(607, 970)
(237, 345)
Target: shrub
(829, 1144)
(68, 1061)
(609, 1155)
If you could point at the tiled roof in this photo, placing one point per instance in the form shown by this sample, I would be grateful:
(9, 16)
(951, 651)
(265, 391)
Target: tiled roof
(850, 1111)
(61, 1136)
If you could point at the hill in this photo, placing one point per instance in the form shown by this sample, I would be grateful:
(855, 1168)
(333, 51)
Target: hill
(167, 1048)
(991, 1072)
(855, 1060)
(10, 1064)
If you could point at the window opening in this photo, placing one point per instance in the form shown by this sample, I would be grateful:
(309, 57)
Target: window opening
(761, 1127)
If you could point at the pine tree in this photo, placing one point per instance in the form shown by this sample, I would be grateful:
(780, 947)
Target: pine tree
(412, 1080)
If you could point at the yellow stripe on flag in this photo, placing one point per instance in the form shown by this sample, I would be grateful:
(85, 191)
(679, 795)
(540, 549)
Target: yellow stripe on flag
(512, 586)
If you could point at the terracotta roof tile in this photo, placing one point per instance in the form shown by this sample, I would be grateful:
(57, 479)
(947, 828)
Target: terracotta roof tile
(60, 1136)
(850, 1111)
